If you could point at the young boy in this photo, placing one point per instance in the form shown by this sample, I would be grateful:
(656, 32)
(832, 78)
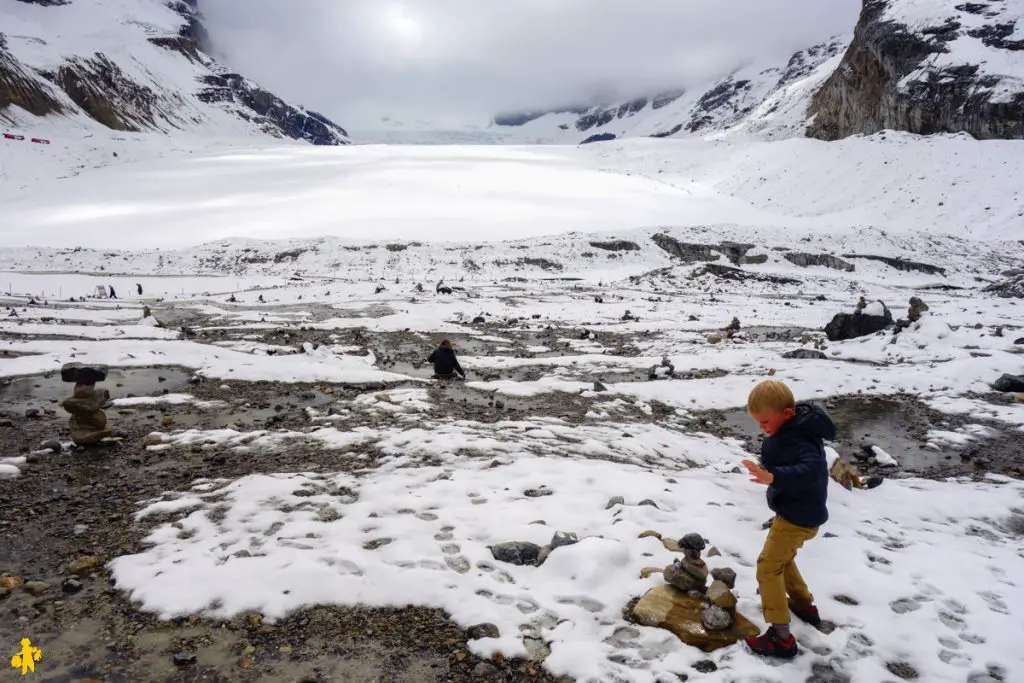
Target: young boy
(797, 475)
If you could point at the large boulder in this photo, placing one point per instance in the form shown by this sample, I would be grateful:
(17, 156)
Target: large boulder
(1013, 383)
(672, 609)
(875, 317)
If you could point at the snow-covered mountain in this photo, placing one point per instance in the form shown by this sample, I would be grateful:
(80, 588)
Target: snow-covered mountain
(928, 66)
(769, 97)
(921, 66)
(132, 66)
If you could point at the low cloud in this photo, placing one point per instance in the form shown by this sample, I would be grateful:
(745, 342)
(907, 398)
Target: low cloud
(455, 61)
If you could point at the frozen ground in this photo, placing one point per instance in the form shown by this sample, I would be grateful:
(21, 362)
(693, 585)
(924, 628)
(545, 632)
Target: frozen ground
(369, 485)
(290, 472)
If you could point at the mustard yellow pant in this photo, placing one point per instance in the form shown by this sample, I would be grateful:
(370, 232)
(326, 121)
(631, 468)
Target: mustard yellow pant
(777, 574)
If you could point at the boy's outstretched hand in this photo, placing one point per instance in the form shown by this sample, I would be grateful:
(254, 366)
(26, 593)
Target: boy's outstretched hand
(758, 474)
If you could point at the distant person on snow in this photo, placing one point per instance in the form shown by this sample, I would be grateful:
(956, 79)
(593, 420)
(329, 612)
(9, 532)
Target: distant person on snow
(445, 363)
(139, 287)
(113, 294)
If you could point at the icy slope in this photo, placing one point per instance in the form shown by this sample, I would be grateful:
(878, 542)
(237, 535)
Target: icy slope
(793, 195)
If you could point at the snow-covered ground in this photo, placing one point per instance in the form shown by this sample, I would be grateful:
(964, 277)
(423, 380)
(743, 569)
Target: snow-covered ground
(922, 572)
(893, 182)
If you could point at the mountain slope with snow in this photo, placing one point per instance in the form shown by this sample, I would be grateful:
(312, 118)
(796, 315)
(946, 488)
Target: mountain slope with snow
(81, 67)
(767, 97)
(928, 66)
(920, 66)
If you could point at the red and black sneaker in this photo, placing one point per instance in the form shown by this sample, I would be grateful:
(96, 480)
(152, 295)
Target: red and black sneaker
(770, 645)
(806, 613)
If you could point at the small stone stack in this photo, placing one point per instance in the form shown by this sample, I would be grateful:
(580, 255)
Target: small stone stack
(917, 307)
(690, 574)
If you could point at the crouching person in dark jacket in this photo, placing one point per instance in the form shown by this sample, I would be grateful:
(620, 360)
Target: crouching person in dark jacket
(445, 363)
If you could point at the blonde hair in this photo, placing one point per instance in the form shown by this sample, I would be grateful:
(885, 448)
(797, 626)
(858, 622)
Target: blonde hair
(770, 395)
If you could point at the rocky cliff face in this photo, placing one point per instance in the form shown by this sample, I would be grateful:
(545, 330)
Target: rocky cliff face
(132, 85)
(937, 67)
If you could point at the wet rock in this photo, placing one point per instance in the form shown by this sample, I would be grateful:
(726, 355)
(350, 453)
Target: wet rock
(536, 649)
(328, 514)
(485, 630)
(828, 261)
(562, 538)
(672, 609)
(184, 659)
(648, 502)
(52, 445)
(807, 354)
(71, 586)
(650, 534)
(545, 552)
(715, 618)
(859, 323)
(479, 320)
(32, 412)
(917, 307)
(695, 568)
(1007, 382)
(671, 545)
(726, 575)
(36, 587)
(6, 423)
(517, 552)
(82, 373)
(377, 543)
(613, 501)
(719, 594)
(485, 670)
(599, 387)
(693, 542)
(538, 493)
(706, 666)
(84, 565)
(647, 572)
(714, 552)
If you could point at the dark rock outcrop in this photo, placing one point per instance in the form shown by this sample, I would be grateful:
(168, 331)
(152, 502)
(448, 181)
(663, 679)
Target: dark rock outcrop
(895, 77)
(599, 137)
(106, 94)
(858, 324)
(689, 253)
(805, 260)
(805, 354)
(616, 245)
(22, 88)
(901, 264)
(269, 111)
(738, 275)
(1014, 383)
(1010, 288)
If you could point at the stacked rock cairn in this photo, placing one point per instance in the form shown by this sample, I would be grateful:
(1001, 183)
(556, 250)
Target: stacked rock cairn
(690, 574)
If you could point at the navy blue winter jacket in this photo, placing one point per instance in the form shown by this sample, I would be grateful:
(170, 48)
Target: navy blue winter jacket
(796, 456)
(445, 362)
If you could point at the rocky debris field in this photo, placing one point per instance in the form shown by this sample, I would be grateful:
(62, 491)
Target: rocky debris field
(559, 413)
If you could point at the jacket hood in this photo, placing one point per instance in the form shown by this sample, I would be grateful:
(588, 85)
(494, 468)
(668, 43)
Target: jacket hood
(814, 420)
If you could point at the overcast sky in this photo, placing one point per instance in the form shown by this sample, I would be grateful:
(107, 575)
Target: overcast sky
(455, 61)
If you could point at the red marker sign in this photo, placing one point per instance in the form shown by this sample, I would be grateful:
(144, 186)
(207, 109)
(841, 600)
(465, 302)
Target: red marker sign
(40, 141)
(10, 136)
